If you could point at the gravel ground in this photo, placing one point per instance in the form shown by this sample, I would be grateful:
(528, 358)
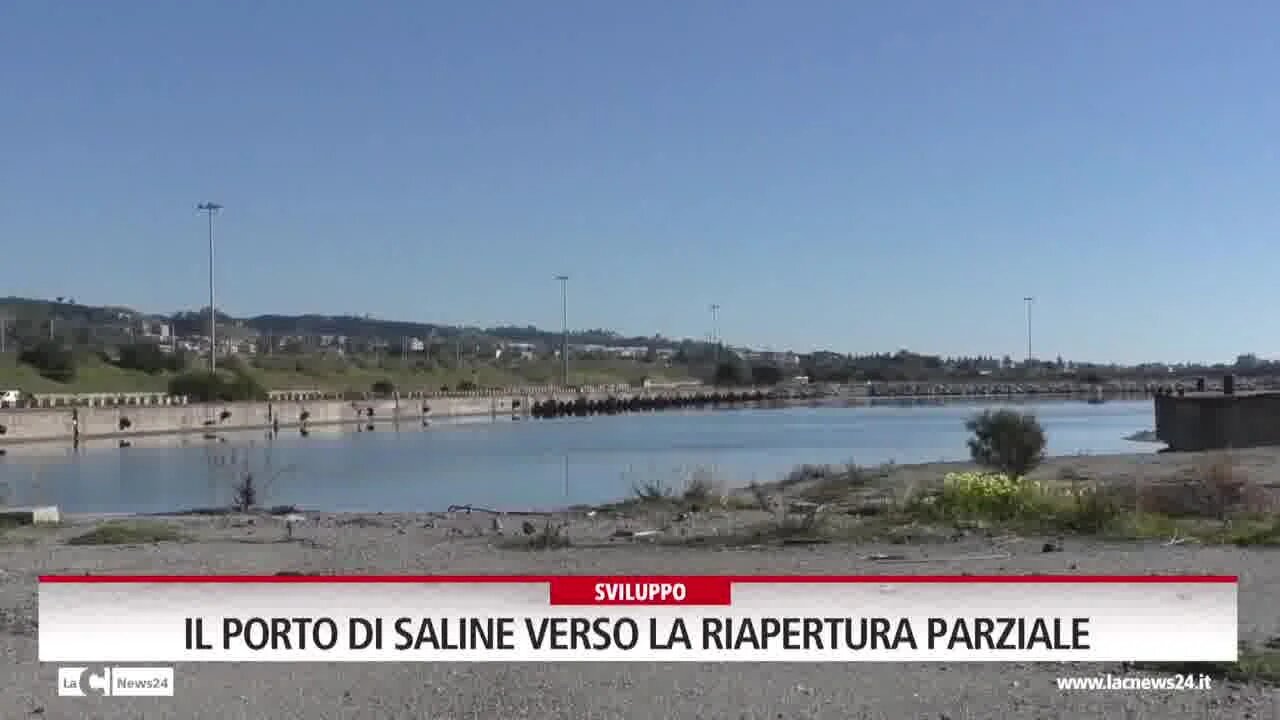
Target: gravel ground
(461, 543)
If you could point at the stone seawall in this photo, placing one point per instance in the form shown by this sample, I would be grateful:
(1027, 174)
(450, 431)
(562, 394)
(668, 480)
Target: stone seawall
(85, 423)
(45, 424)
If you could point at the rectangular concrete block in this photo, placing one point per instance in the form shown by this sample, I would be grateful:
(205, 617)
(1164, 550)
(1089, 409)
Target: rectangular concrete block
(47, 515)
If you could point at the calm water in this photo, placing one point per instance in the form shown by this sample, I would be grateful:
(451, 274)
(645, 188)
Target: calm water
(529, 464)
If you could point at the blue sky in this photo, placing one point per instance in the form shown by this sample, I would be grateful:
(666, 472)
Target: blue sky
(857, 176)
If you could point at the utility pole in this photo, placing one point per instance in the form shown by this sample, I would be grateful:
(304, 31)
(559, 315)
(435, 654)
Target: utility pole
(715, 331)
(564, 331)
(211, 209)
(1029, 301)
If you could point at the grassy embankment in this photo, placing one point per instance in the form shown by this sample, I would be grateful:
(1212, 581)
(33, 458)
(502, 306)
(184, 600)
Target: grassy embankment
(94, 375)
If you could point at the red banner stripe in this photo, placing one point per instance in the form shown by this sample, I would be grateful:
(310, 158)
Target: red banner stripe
(631, 590)
(731, 579)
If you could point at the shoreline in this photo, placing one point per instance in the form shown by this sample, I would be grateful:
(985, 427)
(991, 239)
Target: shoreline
(638, 538)
(1260, 466)
(60, 426)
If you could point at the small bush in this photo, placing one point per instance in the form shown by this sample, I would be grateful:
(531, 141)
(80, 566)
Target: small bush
(1224, 486)
(1005, 440)
(702, 488)
(550, 537)
(1092, 510)
(807, 472)
(383, 387)
(764, 501)
(52, 360)
(732, 373)
(246, 494)
(1215, 489)
(652, 491)
(149, 358)
(203, 386)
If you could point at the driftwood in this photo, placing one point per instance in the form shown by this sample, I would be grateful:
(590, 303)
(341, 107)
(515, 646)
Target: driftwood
(468, 509)
(960, 558)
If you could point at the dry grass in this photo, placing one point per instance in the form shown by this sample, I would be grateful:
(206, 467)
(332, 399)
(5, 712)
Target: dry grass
(128, 532)
(704, 489)
(1217, 488)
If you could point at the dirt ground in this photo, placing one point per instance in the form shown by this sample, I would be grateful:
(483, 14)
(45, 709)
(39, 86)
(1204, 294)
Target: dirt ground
(463, 542)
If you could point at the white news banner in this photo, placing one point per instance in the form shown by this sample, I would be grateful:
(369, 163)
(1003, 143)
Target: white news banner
(131, 619)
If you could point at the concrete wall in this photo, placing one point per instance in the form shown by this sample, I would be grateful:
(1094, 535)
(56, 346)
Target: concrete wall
(1213, 421)
(61, 423)
(94, 422)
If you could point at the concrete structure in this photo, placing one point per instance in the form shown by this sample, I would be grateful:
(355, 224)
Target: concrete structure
(45, 515)
(76, 423)
(1213, 421)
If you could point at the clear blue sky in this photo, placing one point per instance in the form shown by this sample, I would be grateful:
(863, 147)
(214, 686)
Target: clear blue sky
(857, 176)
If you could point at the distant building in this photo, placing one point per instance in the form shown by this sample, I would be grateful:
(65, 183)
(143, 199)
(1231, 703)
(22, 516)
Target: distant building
(155, 329)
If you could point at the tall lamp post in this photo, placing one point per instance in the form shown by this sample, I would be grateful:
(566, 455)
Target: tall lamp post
(1029, 301)
(210, 209)
(715, 331)
(564, 329)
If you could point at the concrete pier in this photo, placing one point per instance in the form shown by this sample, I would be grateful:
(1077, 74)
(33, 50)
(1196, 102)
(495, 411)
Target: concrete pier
(80, 423)
(1193, 421)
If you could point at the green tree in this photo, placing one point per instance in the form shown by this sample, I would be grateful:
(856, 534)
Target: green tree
(149, 358)
(1005, 440)
(766, 374)
(204, 386)
(733, 372)
(52, 360)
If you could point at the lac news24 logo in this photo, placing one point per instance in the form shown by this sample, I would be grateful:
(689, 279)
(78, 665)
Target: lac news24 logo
(116, 681)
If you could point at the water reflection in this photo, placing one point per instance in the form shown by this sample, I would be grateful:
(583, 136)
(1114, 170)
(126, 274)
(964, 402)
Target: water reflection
(532, 464)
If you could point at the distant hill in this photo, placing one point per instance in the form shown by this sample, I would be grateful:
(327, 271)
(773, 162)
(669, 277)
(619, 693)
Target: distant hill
(29, 316)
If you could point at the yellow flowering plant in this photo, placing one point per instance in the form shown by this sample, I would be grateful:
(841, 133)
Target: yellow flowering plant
(998, 496)
(1002, 497)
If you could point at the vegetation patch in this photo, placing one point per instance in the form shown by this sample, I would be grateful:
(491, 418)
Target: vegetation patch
(997, 499)
(129, 532)
(204, 386)
(551, 536)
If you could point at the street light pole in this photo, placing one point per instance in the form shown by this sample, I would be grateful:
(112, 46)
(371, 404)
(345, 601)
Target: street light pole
(715, 331)
(564, 332)
(1029, 301)
(211, 209)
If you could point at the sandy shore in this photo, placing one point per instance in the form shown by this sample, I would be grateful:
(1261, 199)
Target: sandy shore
(469, 543)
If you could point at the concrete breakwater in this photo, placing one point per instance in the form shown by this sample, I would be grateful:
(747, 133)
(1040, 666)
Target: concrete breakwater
(78, 423)
(613, 405)
(1141, 388)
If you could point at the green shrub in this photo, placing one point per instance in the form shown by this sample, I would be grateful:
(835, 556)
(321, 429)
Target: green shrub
(1005, 440)
(383, 387)
(52, 360)
(203, 386)
(149, 358)
(733, 372)
(1039, 506)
